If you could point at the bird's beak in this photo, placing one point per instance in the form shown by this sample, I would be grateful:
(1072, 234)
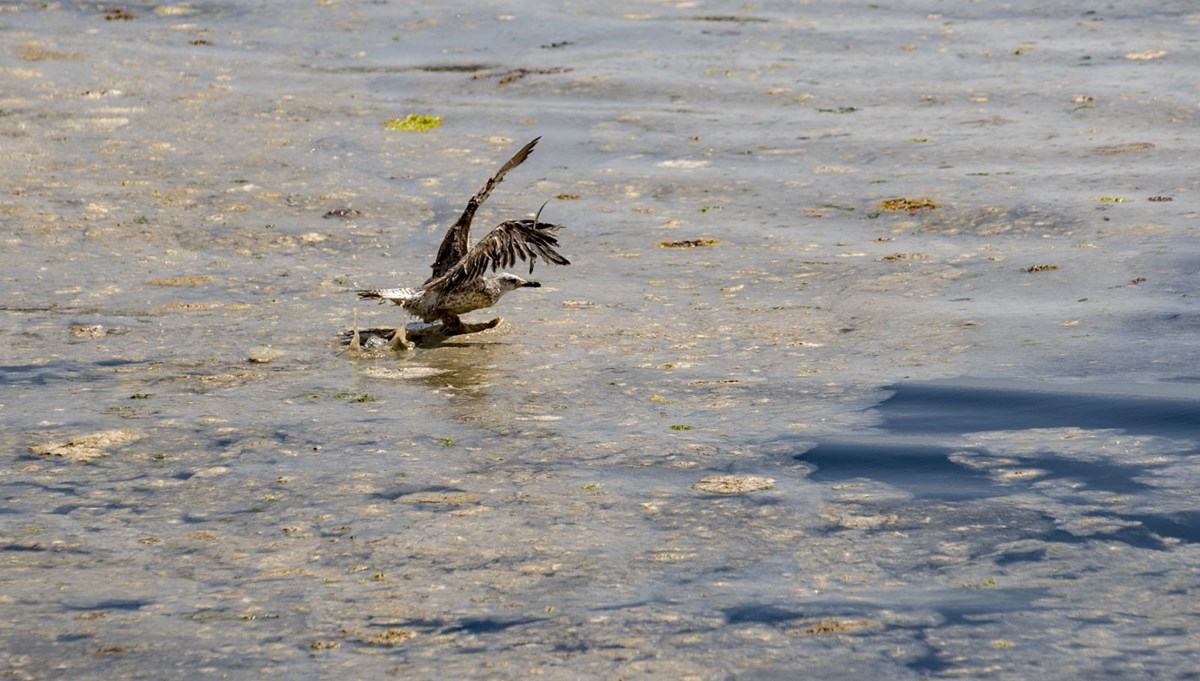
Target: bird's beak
(531, 284)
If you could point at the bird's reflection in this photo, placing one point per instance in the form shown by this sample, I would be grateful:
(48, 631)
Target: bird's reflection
(462, 368)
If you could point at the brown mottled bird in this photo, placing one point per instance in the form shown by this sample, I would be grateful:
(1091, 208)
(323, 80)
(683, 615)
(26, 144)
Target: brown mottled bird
(459, 284)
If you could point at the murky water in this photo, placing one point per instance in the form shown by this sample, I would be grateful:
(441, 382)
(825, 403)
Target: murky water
(201, 481)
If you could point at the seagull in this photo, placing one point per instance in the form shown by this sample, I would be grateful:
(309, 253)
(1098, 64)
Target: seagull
(458, 284)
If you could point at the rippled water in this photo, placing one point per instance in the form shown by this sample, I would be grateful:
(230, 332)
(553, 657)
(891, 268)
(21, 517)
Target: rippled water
(979, 420)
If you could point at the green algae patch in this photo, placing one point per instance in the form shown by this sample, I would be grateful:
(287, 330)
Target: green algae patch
(414, 123)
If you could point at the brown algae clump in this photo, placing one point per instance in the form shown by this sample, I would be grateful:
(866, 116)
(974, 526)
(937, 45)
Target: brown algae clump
(87, 447)
(690, 243)
(197, 280)
(414, 123)
(909, 205)
(733, 484)
(391, 637)
(832, 625)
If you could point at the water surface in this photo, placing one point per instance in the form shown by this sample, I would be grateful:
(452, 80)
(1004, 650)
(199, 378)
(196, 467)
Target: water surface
(980, 419)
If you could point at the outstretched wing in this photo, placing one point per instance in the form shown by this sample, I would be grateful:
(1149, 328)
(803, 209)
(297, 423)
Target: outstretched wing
(507, 243)
(454, 246)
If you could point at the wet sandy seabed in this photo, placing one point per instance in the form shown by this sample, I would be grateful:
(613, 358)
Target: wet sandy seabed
(755, 457)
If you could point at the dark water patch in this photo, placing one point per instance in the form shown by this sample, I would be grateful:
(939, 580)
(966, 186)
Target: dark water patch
(1184, 526)
(454, 68)
(1092, 475)
(1093, 618)
(1019, 219)
(192, 519)
(432, 490)
(61, 488)
(23, 547)
(1134, 537)
(968, 407)
(932, 662)
(575, 646)
(955, 607)
(975, 605)
(1024, 556)
(125, 604)
(761, 614)
(49, 372)
(371, 69)
(116, 362)
(73, 638)
(925, 471)
(35, 374)
(1160, 324)
(727, 19)
(486, 625)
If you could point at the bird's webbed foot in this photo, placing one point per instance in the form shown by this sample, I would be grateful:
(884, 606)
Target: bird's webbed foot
(400, 341)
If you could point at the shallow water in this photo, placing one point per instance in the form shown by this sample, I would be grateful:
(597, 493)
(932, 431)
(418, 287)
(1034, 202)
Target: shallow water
(980, 419)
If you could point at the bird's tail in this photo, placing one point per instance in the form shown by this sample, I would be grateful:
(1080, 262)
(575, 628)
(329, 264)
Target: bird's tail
(395, 295)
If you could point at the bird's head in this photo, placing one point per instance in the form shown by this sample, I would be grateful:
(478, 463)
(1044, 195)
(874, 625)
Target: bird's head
(509, 282)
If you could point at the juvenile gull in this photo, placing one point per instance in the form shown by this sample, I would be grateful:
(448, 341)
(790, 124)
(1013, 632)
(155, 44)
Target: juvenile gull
(459, 284)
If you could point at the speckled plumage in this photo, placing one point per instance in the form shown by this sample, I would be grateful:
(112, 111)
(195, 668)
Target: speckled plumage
(459, 284)
(434, 304)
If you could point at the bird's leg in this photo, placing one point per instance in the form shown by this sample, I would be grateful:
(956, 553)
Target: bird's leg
(453, 326)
